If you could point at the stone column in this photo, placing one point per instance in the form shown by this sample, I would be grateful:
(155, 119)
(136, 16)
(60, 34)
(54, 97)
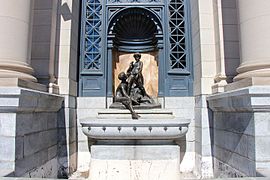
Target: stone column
(220, 78)
(254, 38)
(15, 39)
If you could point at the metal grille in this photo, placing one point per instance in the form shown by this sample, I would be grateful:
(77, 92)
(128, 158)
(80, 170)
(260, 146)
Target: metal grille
(177, 35)
(92, 37)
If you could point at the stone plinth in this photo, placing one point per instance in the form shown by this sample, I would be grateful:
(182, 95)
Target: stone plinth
(129, 162)
(28, 132)
(134, 149)
(241, 120)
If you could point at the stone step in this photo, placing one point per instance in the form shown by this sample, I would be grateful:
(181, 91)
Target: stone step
(125, 114)
(141, 111)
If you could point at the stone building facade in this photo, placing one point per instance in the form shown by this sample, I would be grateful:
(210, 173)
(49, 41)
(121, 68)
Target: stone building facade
(210, 64)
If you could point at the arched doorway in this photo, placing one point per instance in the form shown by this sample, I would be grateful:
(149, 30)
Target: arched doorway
(135, 30)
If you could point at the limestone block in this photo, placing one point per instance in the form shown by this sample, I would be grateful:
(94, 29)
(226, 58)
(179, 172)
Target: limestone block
(7, 168)
(67, 118)
(48, 170)
(70, 101)
(262, 152)
(52, 152)
(7, 148)
(179, 102)
(19, 149)
(83, 161)
(135, 162)
(262, 124)
(91, 102)
(30, 162)
(8, 124)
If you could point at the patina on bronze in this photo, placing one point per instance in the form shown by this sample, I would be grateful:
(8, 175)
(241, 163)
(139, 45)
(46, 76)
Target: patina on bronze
(121, 95)
(131, 92)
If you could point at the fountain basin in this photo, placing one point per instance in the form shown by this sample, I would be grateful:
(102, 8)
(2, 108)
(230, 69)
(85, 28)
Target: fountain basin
(153, 125)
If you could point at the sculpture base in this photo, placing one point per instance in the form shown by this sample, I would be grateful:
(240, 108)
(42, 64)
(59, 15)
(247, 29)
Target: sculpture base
(129, 162)
(118, 105)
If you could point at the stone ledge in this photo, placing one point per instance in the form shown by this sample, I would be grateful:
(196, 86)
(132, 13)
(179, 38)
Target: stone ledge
(253, 81)
(16, 99)
(15, 82)
(249, 99)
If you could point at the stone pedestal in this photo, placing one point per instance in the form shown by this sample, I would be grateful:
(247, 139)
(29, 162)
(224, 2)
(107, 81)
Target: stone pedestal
(241, 121)
(129, 162)
(134, 149)
(28, 133)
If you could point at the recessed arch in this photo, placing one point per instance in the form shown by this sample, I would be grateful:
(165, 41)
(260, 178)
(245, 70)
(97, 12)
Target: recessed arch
(134, 29)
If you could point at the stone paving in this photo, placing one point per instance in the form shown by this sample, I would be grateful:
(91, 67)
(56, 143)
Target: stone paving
(246, 178)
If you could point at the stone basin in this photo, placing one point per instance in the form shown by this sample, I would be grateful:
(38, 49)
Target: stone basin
(118, 125)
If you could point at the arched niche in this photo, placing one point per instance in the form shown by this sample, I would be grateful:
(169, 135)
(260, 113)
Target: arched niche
(135, 30)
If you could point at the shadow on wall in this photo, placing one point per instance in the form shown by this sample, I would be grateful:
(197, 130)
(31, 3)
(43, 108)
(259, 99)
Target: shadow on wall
(231, 38)
(63, 12)
(66, 12)
(68, 136)
(234, 144)
(182, 142)
(62, 147)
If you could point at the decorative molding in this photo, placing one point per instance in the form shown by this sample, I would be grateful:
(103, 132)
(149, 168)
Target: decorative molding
(133, 1)
(166, 129)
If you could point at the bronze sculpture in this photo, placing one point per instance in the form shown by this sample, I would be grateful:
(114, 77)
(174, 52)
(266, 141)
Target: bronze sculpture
(135, 77)
(121, 95)
(131, 92)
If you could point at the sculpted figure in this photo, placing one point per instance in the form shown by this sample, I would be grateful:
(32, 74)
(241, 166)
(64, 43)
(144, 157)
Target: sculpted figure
(131, 92)
(123, 97)
(135, 77)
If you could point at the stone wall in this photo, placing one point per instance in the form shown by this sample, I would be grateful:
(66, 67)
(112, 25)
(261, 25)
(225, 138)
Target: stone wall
(183, 107)
(28, 133)
(241, 132)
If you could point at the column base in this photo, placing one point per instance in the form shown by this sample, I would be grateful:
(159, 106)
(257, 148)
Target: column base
(16, 82)
(128, 162)
(252, 81)
(53, 88)
(218, 87)
(6, 73)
